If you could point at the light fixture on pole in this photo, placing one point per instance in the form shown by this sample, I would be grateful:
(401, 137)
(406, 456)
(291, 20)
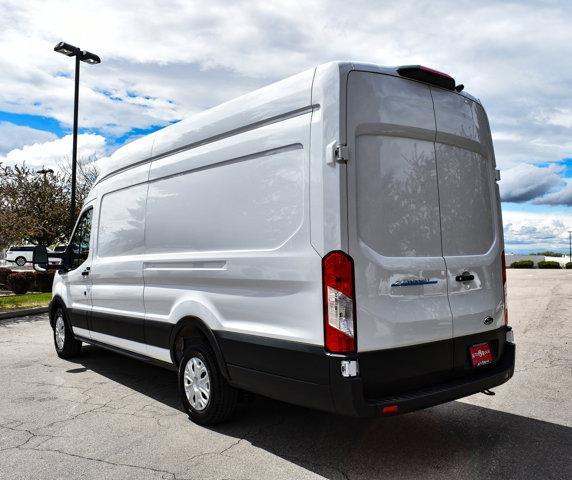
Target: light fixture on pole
(45, 171)
(80, 56)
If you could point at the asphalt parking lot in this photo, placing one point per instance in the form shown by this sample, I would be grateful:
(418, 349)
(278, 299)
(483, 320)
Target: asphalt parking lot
(107, 416)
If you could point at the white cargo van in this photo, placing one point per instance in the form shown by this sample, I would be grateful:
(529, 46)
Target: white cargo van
(333, 240)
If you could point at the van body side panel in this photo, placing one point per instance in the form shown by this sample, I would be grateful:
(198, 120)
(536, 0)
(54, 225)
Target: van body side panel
(472, 238)
(228, 237)
(394, 226)
(117, 269)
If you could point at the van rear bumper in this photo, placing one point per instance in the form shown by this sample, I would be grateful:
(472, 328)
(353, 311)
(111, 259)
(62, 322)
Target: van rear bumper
(349, 398)
(308, 376)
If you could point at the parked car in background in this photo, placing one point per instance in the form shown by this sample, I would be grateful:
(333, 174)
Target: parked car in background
(20, 255)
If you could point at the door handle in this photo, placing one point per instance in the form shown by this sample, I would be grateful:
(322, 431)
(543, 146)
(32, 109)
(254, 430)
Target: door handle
(85, 273)
(465, 277)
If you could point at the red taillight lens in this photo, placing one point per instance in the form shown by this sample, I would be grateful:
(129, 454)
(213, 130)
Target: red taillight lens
(504, 288)
(390, 409)
(339, 302)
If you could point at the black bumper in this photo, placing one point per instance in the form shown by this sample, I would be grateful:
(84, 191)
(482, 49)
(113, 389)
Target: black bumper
(349, 398)
(408, 378)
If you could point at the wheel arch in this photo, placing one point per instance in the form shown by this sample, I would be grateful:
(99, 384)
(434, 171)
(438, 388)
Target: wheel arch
(56, 302)
(189, 327)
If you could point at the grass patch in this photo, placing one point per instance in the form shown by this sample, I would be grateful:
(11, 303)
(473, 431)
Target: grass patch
(29, 300)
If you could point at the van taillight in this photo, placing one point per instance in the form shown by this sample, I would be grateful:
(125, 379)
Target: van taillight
(427, 75)
(339, 302)
(504, 288)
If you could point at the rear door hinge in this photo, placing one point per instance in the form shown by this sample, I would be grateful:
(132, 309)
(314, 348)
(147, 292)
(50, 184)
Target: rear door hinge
(341, 153)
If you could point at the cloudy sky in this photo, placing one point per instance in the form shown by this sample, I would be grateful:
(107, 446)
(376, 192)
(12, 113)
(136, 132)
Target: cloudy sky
(167, 59)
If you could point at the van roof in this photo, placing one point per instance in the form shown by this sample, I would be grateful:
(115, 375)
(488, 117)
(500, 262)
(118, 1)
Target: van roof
(289, 97)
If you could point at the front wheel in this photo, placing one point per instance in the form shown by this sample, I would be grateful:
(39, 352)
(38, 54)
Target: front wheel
(66, 345)
(206, 395)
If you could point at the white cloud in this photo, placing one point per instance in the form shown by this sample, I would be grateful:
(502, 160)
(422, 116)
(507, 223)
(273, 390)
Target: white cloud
(536, 230)
(164, 60)
(560, 117)
(561, 197)
(14, 136)
(54, 153)
(527, 182)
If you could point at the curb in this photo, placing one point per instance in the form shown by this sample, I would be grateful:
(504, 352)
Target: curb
(23, 313)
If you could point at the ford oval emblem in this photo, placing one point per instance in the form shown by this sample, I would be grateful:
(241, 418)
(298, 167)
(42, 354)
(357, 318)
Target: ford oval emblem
(488, 320)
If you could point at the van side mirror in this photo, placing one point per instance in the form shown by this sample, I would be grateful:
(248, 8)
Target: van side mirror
(41, 258)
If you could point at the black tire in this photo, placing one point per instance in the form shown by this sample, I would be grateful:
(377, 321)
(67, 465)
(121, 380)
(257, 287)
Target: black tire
(70, 347)
(20, 261)
(222, 399)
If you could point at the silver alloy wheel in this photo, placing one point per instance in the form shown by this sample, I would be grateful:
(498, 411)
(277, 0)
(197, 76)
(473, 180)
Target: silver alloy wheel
(20, 261)
(60, 332)
(197, 384)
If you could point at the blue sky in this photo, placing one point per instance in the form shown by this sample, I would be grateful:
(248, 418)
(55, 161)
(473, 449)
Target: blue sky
(163, 61)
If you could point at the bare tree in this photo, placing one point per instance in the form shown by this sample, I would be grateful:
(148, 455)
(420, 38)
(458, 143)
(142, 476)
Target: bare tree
(35, 208)
(87, 172)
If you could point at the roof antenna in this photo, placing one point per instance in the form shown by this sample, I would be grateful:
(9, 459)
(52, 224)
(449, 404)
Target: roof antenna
(459, 87)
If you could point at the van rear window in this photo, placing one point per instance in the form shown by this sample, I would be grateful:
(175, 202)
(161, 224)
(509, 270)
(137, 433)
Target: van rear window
(397, 198)
(467, 218)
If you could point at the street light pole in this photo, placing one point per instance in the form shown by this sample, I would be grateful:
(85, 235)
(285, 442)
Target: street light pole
(92, 59)
(74, 146)
(570, 251)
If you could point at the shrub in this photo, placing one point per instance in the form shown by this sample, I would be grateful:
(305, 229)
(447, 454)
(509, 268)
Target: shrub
(569, 265)
(20, 282)
(43, 281)
(4, 272)
(549, 264)
(522, 264)
(31, 276)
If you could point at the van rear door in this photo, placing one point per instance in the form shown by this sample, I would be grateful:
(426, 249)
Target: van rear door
(470, 214)
(404, 322)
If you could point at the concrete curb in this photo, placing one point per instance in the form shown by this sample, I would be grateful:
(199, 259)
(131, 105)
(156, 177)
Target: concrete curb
(23, 312)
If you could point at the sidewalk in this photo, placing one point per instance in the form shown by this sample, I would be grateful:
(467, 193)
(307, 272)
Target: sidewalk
(24, 312)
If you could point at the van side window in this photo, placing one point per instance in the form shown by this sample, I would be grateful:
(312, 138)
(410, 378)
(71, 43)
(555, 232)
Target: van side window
(79, 243)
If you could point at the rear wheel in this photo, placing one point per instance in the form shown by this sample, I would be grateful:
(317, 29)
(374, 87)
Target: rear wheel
(20, 261)
(66, 345)
(206, 395)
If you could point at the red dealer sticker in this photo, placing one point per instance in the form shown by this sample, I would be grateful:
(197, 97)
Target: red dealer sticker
(481, 354)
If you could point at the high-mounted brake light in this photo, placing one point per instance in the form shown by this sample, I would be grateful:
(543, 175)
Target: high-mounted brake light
(339, 302)
(427, 75)
(504, 288)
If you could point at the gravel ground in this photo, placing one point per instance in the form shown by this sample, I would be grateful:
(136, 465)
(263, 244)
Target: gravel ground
(108, 416)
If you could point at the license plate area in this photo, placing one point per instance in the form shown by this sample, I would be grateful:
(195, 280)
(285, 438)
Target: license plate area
(480, 354)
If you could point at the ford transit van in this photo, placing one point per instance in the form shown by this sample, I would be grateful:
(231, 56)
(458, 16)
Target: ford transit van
(333, 240)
